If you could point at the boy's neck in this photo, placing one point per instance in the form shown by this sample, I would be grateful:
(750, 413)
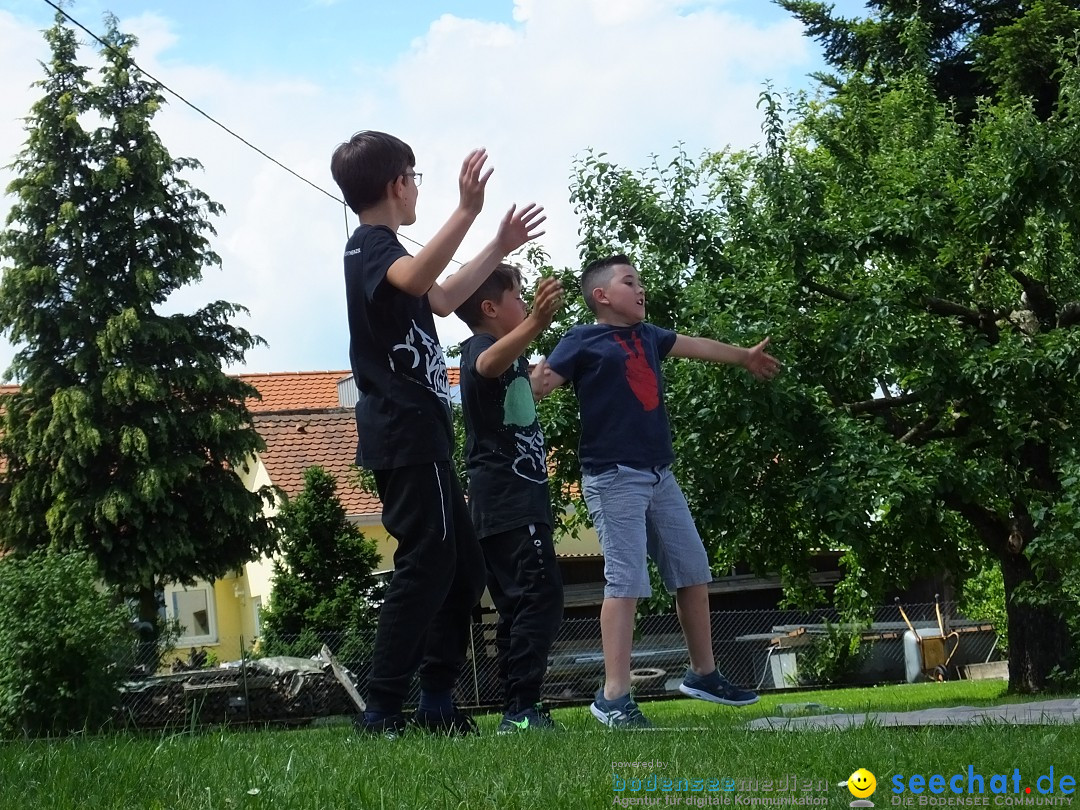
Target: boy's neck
(384, 213)
(491, 328)
(608, 319)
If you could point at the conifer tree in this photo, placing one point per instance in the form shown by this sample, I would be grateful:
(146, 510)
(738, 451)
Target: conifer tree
(125, 434)
(324, 585)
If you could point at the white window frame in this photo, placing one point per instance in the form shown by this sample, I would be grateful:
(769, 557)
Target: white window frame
(171, 609)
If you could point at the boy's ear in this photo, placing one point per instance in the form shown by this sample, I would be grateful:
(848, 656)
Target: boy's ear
(599, 295)
(395, 189)
(487, 306)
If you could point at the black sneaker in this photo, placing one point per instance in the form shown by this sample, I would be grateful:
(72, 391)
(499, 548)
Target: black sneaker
(534, 718)
(390, 726)
(715, 688)
(454, 723)
(619, 713)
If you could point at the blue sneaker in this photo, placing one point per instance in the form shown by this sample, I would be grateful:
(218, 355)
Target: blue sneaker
(531, 719)
(619, 713)
(715, 688)
(391, 726)
(454, 723)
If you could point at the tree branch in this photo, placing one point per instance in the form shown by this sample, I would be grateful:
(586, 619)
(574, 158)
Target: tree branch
(1036, 298)
(1069, 315)
(991, 528)
(920, 430)
(882, 404)
(829, 292)
(983, 320)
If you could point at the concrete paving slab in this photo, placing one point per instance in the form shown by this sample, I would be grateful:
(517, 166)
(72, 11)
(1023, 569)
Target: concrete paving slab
(1040, 713)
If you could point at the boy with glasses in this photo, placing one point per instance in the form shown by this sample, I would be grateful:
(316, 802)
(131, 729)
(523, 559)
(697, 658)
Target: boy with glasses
(403, 422)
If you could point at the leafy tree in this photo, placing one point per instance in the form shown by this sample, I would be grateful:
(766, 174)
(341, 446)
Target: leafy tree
(63, 644)
(324, 585)
(125, 433)
(973, 48)
(920, 281)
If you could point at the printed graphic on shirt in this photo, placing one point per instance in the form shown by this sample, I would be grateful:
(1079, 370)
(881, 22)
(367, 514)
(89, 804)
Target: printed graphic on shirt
(639, 374)
(529, 463)
(420, 351)
(519, 410)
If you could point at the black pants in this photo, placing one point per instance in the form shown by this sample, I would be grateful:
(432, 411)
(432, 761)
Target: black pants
(526, 587)
(426, 616)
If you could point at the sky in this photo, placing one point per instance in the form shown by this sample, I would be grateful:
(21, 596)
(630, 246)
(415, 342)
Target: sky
(535, 82)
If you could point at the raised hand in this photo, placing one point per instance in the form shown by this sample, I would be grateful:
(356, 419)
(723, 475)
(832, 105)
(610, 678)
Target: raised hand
(546, 300)
(472, 181)
(519, 227)
(540, 378)
(761, 364)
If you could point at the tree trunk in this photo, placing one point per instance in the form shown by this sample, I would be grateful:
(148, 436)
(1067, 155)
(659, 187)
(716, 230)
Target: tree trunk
(148, 607)
(1038, 636)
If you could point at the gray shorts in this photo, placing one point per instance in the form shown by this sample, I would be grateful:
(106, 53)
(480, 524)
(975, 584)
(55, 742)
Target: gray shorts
(638, 512)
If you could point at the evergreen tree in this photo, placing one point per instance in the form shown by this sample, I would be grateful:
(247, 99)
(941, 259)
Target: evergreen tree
(324, 584)
(125, 433)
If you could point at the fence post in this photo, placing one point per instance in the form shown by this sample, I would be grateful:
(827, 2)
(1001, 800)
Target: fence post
(243, 674)
(472, 654)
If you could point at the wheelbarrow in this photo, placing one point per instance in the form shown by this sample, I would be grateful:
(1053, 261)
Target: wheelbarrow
(932, 652)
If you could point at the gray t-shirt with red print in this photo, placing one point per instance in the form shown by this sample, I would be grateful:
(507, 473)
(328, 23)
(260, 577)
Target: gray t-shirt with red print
(615, 371)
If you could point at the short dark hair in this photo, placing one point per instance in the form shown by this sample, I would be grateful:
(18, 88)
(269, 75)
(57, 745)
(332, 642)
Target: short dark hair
(364, 164)
(598, 274)
(502, 278)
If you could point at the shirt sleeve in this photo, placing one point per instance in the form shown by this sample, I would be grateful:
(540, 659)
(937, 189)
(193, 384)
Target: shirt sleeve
(381, 249)
(665, 339)
(471, 349)
(562, 357)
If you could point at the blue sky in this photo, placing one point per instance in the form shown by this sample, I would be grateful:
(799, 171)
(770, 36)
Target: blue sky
(535, 81)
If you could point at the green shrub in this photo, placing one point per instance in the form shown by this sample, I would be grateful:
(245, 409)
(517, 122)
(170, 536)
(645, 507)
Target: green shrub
(61, 638)
(831, 658)
(982, 599)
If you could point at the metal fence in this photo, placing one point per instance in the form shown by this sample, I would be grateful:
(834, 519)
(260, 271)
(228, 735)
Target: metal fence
(757, 649)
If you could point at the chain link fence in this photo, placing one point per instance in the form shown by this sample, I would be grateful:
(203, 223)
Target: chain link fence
(757, 649)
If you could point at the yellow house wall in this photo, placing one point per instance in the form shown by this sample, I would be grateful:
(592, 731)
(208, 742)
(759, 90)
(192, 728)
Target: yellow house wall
(238, 600)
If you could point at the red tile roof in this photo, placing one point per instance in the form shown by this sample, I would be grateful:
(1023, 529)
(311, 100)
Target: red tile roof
(296, 441)
(294, 391)
(304, 390)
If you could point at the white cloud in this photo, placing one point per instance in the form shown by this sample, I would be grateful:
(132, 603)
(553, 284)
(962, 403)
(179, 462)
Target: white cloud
(628, 77)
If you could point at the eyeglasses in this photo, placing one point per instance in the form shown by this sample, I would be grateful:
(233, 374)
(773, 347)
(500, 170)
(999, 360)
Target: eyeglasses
(418, 177)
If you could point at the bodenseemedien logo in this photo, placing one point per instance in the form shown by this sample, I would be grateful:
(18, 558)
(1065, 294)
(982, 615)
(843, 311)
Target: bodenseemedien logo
(862, 785)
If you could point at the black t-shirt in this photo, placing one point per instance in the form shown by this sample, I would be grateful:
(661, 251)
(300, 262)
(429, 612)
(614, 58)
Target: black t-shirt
(504, 446)
(616, 375)
(403, 412)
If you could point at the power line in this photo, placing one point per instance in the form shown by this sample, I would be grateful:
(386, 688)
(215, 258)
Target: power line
(213, 120)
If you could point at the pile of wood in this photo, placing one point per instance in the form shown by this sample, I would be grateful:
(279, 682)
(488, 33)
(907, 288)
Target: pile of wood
(286, 691)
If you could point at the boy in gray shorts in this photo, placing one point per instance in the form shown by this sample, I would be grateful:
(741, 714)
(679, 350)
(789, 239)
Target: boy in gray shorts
(633, 499)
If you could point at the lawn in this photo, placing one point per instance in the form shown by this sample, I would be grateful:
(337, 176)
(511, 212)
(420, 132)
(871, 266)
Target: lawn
(578, 767)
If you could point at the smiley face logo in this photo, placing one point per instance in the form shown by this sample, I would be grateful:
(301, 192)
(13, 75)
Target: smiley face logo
(861, 783)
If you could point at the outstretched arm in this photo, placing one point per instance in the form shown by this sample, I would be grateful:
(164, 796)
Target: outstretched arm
(505, 351)
(516, 228)
(544, 380)
(755, 359)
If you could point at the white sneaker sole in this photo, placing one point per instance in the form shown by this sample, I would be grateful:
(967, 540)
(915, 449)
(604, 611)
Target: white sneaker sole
(709, 696)
(602, 716)
(611, 722)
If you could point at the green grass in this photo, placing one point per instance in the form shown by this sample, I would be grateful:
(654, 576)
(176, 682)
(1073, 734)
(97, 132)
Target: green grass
(330, 767)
